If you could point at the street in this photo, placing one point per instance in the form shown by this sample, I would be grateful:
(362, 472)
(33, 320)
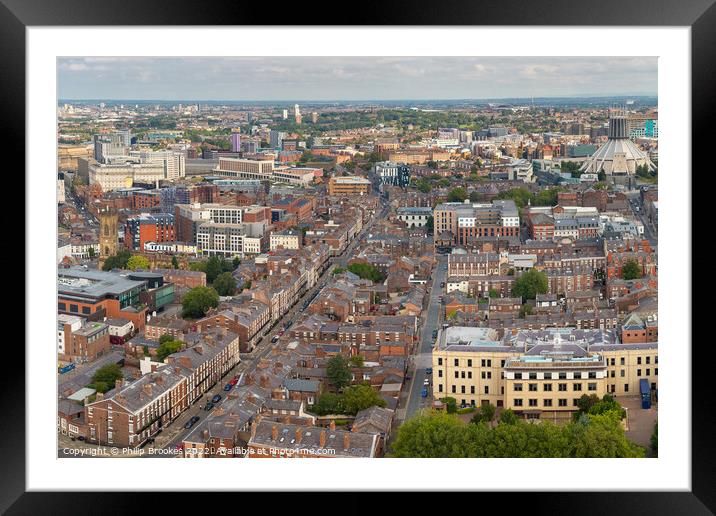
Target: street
(423, 358)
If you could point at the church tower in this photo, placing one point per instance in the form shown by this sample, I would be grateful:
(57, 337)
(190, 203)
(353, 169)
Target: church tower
(107, 234)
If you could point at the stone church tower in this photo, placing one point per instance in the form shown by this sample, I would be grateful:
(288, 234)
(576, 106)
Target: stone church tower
(107, 234)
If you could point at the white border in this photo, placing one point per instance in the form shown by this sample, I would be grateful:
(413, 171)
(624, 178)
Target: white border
(670, 471)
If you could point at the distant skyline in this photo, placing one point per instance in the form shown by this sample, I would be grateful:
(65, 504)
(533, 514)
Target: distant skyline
(352, 78)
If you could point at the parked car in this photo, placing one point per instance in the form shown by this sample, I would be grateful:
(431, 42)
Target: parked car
(228, 387)
(209, 405)
(191, 422)
(216, 398)
(424, 393)
(80, 437)
(426, 382)
(275, 339)
(429, 370)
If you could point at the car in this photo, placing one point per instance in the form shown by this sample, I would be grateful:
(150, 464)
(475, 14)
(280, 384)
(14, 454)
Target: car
(280, 333)
(228, 387)
(426, 382)
(233, 381)
(288, 324)
(424, 393)
(216, 398)
(275, 339)
(80, 437)
(191, 422)
(435, 333)
(429, 370)
(209, 405)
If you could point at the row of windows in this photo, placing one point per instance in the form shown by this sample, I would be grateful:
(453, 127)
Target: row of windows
(562, 387)
(75, 308)
(622, 360)
(551, 376)
(483, 362)
(562, 402)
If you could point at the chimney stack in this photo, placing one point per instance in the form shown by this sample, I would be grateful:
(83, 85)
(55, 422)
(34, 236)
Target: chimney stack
(298, 435)
(322, 439)
(205, 434)
(99, 396)
(346, 440)
(274, 432)
(332, 425)
(147, 388)
(263, 381)
(118, 384)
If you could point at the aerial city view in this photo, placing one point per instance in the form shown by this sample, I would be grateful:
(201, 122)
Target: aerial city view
(357, 257)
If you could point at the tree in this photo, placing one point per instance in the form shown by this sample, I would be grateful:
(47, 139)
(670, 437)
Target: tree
(430, 223)
(105, 377)
(90, 251)
(117, 261)
(165, 338)
(338, 371)
(357, 360)
(212, 268)
(485, 414)
(225, 284)
(494, 293)
(361, 397)
(198, 300)
(175, 262)
(329, 403)
(529, 284)
(474, 196)
(367, 271)
(458, 194)
(631, 270)
(236, 262)
(432, 435)
(167, 348)
(508, 417)
(137, 262)
(655, 439)
(450, 404)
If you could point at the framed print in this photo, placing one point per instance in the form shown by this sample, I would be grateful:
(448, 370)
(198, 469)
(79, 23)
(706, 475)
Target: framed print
(418, 242)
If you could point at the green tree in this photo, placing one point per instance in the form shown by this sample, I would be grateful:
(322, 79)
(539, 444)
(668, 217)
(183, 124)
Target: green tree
(360, 397)
(529, 284)
(198, 300)
(525, 310)
(236, 262)
(631, 270)
(494, 293)
(508, 417)
(432, 435)
(357, 361)
(367, 271)
(329, 403)
(655, 439)
(137, 262)
(212, 268)
(225, 284)
(474, 196)
(338, 371)
(90, 251)
(117, 261)
(485, 414)
(167, 348)
(458, 194)
(165, 338)
(450, 404)
(175, 262)
(430, 223)
(105, 377)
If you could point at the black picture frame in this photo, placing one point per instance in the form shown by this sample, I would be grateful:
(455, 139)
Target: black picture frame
(700, 15)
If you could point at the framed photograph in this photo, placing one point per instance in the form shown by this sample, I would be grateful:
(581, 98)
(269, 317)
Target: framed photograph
(418, 242)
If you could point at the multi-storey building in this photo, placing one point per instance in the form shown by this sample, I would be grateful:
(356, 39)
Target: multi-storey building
(140, 229)
(537, 373)
(464, 222)
(348, 185)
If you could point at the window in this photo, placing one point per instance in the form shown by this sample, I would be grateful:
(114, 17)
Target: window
(518, 402)
(462, 374)
(638, 360)
(626, 387)
(457, 362)
(533, 402)
(472, 389)
(562, 387)
(577, 376)
(440, 361)
(612, 362)
(621, 361)
(462, 389)
(469, 374)
(453, 389)
(648, 361)
(656, 371)
(61, 306)
(73, 308)
(518, 376)
(577, 386)
(440, 387)
(469, 362)
(548, 387)
(457, 374)
(562, 376)
(548, 376)
(592, 386)
(638, 372)
(547, 403)
(440, 373)
(482, 362)
(518, 387)
(533, 376)
(622, 373)
(489, 363)
(487, 389)
(482, 375)
(533, 387)
(489, 375)
(648, 372)
(575, 402)
(562, 402)
(592, 374)
(86, 310)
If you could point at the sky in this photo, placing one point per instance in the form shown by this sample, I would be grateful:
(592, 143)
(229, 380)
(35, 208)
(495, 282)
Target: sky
(352, 78)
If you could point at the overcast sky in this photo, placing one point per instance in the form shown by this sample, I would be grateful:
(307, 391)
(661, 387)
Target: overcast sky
(352, 78)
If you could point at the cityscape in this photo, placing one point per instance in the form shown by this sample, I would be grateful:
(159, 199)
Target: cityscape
(392, 260)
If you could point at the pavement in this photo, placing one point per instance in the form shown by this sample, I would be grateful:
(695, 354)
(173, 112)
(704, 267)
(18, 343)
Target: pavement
(640, 422)
(422, 359)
